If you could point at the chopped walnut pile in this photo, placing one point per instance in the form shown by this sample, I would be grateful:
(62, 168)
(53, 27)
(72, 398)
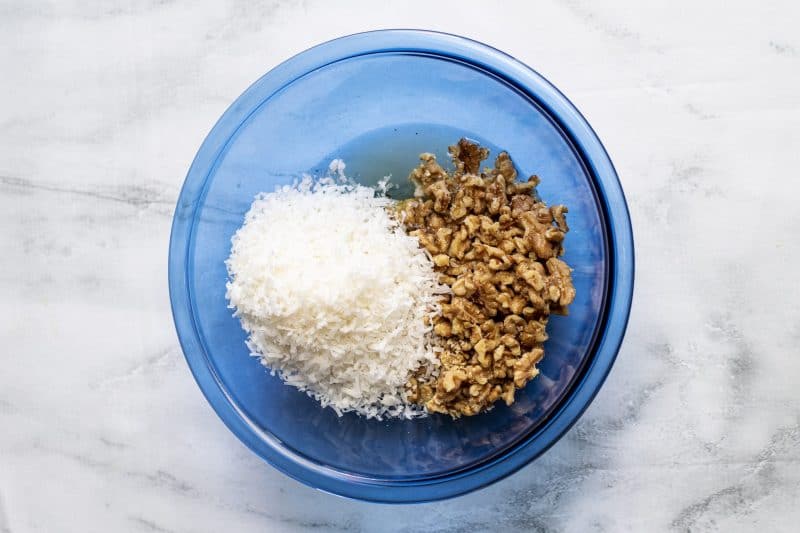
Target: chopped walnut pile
(498, 248)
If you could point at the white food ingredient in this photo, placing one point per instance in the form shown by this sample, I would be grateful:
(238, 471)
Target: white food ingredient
(334, 295)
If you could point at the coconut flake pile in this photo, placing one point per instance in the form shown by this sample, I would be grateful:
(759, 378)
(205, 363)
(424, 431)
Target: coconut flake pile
(334, 295)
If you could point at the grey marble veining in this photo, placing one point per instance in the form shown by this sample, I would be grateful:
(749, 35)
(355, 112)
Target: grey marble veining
(102, 107)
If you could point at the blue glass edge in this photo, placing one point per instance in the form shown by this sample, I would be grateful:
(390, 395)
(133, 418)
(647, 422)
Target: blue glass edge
(594, 155)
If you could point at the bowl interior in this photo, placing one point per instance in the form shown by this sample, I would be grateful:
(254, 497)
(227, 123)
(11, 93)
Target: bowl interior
(378, 112)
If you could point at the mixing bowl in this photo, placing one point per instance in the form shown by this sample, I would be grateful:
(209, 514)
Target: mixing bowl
(377, 100)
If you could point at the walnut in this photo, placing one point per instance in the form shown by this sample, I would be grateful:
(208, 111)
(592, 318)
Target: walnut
(441, 196)
(452, 379)
(443, 328)
(467, 157)
(560, 278)
(497, 246)
(441, 260)
(558, 212)
(458, 245)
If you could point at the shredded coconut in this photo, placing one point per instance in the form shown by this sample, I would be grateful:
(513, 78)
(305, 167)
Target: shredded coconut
(335, 296)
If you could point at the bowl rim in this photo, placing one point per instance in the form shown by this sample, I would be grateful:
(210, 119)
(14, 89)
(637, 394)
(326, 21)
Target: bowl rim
(621, 264)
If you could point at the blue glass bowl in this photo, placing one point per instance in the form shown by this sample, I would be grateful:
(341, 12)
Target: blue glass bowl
(377, 100)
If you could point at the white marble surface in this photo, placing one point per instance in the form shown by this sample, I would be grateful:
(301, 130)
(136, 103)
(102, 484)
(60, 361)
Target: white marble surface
(102, 107)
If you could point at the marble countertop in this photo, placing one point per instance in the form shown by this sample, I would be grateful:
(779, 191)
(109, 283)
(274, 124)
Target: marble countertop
(102, 107)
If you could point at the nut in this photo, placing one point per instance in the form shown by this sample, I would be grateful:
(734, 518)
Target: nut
(441, 260)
